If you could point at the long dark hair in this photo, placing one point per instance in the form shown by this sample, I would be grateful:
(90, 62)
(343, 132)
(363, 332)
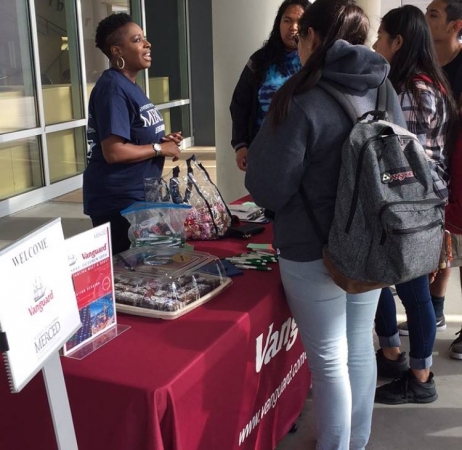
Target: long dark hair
(415, 57)
(417, 53)
(331, 20)
(273, 50)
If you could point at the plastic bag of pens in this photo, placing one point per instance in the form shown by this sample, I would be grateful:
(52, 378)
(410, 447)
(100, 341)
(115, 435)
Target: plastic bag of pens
(156, 224)
(209, 217)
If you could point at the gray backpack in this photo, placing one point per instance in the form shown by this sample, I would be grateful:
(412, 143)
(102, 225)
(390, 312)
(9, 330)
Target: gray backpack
(388, 222)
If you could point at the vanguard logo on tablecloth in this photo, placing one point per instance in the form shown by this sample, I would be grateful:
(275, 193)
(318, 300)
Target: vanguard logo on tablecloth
(275, 340)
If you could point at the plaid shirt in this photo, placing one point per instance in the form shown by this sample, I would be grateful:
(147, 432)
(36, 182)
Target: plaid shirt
(430, 125)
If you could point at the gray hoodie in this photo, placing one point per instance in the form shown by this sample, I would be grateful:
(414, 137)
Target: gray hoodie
(306, 150)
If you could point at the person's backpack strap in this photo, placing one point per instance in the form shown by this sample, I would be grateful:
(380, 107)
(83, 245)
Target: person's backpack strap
(345, 100)
(348, 105)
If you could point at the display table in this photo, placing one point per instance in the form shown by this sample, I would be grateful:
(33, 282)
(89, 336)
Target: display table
(231, 374)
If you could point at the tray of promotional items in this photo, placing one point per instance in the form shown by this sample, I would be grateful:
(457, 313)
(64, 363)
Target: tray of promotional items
(166, 283)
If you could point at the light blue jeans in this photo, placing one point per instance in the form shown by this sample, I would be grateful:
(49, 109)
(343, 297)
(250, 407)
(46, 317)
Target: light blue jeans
(336, 331)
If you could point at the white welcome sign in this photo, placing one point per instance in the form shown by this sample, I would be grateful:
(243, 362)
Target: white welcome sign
(38, 309)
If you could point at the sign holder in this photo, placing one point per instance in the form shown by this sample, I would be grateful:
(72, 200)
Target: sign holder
(59, 403)
(40, 320)
(97, 342)
(93, 281)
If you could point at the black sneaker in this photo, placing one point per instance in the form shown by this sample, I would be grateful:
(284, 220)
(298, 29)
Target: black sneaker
(388, 368)
(440, 326)
(455, 349)
(407, 389)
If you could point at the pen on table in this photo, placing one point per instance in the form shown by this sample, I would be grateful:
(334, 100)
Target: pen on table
(264, 258)
(238, 210)
(231, 208)
(245, 267)
(249, 263)
(261, 252)
(246, 260)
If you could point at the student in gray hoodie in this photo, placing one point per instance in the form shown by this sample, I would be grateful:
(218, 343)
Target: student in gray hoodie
(299, 147)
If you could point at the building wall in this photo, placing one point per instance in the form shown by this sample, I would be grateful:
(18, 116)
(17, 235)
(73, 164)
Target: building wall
(239, 29)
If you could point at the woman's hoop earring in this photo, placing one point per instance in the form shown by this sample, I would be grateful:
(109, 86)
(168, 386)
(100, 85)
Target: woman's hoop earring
(120, 66)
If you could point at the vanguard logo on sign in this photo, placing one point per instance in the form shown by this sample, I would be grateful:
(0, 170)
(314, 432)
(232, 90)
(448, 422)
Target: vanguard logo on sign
(46, 337)
(275, 340)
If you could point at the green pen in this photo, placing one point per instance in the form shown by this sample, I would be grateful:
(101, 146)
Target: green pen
(241, 260)
(270, 258)
(245, 267)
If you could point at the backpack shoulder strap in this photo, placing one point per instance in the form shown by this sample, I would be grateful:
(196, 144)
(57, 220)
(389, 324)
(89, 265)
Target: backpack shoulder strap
(343, 98)
(384, 92)
(346, 102)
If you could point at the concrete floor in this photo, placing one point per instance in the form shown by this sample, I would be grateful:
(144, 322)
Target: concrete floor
(423, 427)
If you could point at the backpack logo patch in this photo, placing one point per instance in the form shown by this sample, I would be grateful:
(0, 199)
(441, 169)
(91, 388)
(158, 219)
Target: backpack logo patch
(398, 176)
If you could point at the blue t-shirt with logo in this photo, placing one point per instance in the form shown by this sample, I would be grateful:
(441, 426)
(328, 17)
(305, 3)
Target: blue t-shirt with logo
(119, 107)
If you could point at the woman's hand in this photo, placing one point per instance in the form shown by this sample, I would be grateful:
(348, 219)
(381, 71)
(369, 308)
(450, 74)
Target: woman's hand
(174, 137)
(241, 158)
(170, 148)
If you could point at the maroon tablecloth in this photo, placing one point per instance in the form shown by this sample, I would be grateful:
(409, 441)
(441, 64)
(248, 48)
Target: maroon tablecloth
(231, 374)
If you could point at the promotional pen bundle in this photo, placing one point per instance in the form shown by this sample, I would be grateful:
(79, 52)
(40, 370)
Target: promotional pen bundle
(256, 260)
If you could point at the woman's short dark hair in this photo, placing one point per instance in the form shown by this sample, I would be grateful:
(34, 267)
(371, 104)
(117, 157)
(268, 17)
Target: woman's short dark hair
(273, 50)
(331, 20)
(417, 52)
(108, 31)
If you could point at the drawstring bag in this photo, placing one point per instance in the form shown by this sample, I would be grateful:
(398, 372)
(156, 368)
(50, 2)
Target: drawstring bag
(189, 183)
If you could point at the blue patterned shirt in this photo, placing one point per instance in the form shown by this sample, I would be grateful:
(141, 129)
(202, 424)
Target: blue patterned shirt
(274, 79)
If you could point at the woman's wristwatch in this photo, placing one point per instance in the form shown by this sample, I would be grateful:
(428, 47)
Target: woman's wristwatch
(157, 149)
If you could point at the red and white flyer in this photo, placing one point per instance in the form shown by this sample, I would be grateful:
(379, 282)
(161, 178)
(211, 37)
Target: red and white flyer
(90, 261)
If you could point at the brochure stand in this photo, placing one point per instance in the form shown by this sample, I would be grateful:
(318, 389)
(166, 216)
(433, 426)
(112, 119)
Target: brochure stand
(97, 342)
(59, 403)
(90, 262)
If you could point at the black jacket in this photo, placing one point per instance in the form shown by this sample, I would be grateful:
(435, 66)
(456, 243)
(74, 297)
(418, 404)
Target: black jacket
(244, 105)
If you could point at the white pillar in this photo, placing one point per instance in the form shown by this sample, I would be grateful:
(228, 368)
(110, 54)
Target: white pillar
(373, 9)
(239, 29)
(387, 5)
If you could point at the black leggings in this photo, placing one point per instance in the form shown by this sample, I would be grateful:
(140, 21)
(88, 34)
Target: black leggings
(119, 230)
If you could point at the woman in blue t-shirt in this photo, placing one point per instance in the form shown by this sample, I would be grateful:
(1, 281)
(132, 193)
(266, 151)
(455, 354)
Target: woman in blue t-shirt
(126, 132)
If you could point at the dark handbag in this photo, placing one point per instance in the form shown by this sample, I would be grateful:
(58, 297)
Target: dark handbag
(245, 231)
